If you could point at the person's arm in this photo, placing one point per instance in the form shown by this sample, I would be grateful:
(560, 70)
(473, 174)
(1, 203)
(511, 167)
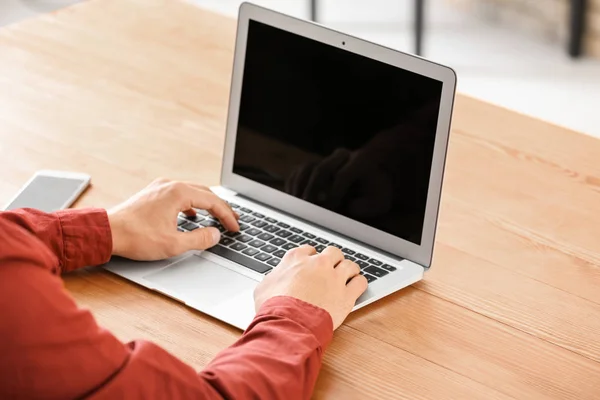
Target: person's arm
(67, 234)
(53, 349)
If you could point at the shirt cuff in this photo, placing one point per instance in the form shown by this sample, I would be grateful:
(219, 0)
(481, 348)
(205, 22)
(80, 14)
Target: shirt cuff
(87, 237)
(315, 319)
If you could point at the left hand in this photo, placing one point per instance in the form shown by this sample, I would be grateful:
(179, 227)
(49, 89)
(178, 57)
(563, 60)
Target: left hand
(145, 226)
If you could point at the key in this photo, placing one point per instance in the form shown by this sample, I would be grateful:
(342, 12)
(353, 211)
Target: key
(188, 226)
(274, 261)
(362, 257)
(271, 228)
(225, 241)
(256, 243)
(209, 222)
(378, 272)
(284, 234)
(375, 262)
(271, 220)
(259, 224)
(279, 253)
(258, 215)
(252, 231)
(283, 225)
(320, 248)
(288, 246)
(244, 238)
(196, 218)
(277, 242)
(248, 262)
(370, 278)
(308, 235)
(310, 243)
(247, 218)
(321, 240)
(348, 251)
(295, 230)
(246, 210)
(262, 257)
(388, 267)
(265, 236)
(238, 246)
(268, 248)
(250, 251)
(296, 238)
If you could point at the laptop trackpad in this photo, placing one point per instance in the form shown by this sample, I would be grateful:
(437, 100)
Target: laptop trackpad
(201, 282)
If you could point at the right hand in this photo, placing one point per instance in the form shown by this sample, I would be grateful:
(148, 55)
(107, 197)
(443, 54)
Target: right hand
(325, 280)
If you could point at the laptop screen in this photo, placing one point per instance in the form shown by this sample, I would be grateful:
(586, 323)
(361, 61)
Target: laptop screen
(336, 129)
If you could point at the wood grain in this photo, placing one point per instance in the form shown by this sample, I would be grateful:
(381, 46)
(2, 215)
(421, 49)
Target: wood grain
(128, 90)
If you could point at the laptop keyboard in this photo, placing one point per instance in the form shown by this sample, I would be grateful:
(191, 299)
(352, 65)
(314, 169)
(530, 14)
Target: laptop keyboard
(262, 242)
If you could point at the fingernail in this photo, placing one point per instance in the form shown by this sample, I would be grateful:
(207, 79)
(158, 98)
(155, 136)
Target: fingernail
(216, 235)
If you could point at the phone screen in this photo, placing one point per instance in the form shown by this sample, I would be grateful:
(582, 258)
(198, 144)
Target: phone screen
(47, 193)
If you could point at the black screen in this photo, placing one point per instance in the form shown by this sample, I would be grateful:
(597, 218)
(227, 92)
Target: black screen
(339, 130)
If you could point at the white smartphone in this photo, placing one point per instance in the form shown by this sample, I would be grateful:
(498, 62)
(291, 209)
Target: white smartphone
(50, 191)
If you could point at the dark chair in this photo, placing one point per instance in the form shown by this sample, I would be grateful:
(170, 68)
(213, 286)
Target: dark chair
(418, 25)
(576, 25)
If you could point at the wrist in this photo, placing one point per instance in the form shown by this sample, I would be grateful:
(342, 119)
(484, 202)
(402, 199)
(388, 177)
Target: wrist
(310, 316)
(117, 227)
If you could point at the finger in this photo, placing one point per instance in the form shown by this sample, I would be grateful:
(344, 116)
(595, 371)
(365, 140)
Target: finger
(207, 189)
(207, 200)
(199, 239)
(299, 252)
(198, 186)
(159, 181)
(190, 213)
(347, 270)
(356, 287)
(333, 254)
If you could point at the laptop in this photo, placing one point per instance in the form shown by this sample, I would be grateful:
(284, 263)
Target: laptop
(331, 141)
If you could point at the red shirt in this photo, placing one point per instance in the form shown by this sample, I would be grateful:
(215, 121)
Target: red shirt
(52, 349)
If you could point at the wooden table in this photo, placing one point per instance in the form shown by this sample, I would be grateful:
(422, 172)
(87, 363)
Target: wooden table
(128, 90)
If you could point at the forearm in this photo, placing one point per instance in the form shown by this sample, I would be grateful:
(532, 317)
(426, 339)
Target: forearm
(278, 357)
(77, 238)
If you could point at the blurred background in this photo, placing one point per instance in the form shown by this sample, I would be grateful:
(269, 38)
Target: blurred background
(514, 53)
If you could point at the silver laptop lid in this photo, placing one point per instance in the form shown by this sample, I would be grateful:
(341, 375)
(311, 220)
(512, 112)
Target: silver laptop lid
(338, 131)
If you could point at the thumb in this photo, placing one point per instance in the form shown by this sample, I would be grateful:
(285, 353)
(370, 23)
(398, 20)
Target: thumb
(201, 239)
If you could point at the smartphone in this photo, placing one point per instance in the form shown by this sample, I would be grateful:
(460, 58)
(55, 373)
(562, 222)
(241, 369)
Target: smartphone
(50, 191)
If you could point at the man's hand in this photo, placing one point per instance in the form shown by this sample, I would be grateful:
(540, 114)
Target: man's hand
(145, 226)
(325, 280)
